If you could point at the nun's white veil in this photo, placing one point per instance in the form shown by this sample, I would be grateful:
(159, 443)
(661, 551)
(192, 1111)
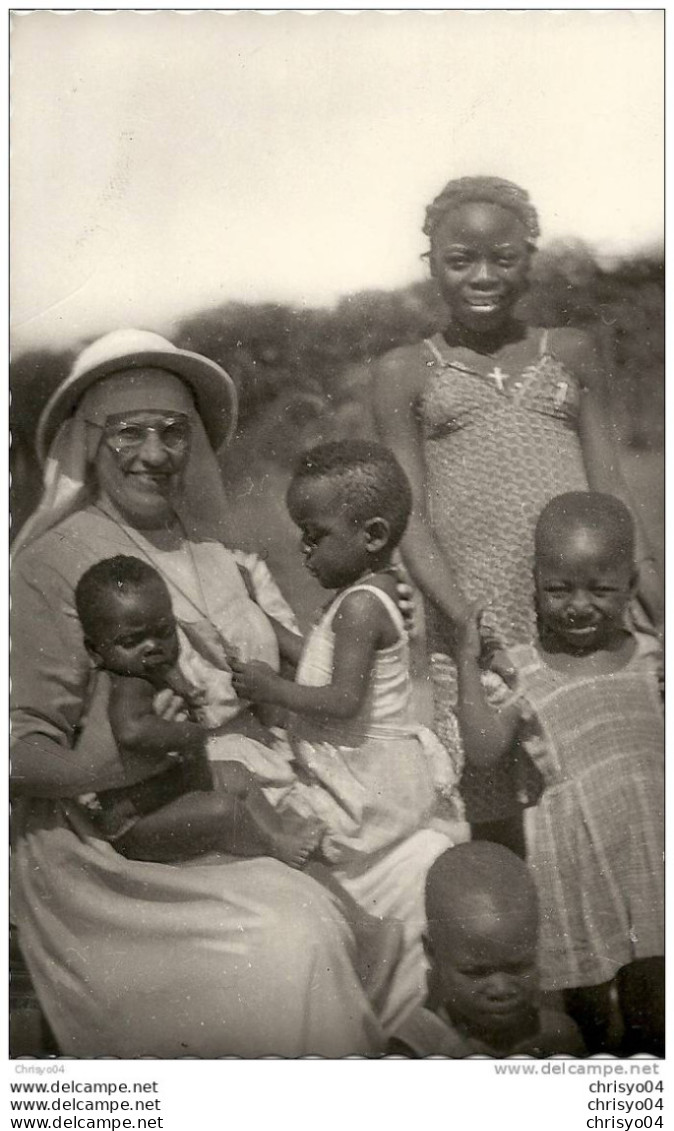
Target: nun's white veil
(69, 475)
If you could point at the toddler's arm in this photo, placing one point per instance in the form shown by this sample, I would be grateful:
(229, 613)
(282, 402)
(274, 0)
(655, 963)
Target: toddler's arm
(138, 730)
(359, 628)
(487, 732)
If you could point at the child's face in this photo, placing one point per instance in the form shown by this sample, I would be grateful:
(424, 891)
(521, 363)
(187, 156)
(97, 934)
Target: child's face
(136, 633)
(480, 259)
(334, 546)
(583, 587)
(486, 973)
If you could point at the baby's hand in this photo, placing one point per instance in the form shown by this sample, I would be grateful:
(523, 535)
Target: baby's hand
(169, 706)
(255, 681)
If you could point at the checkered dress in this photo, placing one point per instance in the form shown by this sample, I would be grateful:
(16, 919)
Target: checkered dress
(595, 841)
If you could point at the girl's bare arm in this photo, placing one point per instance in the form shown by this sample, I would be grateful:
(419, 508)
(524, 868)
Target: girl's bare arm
(487, 732)
(399, 379)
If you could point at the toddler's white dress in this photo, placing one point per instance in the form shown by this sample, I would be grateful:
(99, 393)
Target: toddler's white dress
(372, 780)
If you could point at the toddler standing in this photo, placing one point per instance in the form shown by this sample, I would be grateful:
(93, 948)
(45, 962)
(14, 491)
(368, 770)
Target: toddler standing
(587, 708)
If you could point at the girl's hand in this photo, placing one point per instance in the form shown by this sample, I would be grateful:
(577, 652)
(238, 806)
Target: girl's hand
(405, 597)
(491, 645)
(255, 681)
(468, 635)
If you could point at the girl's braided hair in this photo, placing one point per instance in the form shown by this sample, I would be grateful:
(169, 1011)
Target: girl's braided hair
(491, 190)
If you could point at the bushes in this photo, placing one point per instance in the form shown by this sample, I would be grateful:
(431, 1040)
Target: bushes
(302, 374)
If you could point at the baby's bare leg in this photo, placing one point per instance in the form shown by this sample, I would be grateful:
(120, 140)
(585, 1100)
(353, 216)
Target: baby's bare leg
(289, 838)
(193, 825)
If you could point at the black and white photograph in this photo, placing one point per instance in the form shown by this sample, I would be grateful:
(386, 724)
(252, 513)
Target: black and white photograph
(337, 544)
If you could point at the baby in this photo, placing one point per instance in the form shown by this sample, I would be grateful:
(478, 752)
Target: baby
(130, 632)
(481, 944)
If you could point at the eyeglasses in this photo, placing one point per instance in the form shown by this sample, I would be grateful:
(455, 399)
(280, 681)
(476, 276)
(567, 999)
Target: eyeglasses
(173, 434)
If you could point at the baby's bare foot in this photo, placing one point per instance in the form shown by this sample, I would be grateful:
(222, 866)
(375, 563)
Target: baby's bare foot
(290, 837)
(294, 846)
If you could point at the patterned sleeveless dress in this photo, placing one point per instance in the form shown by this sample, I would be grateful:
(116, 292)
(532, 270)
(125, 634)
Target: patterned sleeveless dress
(496, 448)
(595, 841)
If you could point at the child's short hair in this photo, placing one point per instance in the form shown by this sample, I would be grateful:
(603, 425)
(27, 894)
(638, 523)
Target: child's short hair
(483, 190)
(474, 871)
(121, 574)
(591, 510)
(370, 481)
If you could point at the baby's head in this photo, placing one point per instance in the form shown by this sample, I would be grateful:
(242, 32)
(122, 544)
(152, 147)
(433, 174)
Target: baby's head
(351, 500)
(125, 611)
(585, 571)
(481, 942)
(482, 232)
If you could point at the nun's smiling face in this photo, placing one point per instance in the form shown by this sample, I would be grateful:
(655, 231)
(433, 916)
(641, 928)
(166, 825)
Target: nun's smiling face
(140, 464)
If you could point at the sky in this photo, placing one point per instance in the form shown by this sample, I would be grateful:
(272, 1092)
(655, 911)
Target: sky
(163, 162)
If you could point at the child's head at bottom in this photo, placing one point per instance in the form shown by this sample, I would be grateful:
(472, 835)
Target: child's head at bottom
(481, 942)
(351, 500)
(585, 571)
(125, 612)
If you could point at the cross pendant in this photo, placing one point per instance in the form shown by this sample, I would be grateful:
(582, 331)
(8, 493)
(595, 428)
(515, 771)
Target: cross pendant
(500, 377)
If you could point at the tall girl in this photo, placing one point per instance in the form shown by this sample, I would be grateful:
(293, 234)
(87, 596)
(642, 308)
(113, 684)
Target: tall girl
(490, 419)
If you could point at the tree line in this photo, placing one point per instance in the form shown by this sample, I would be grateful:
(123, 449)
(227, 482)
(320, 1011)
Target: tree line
(302, 373)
